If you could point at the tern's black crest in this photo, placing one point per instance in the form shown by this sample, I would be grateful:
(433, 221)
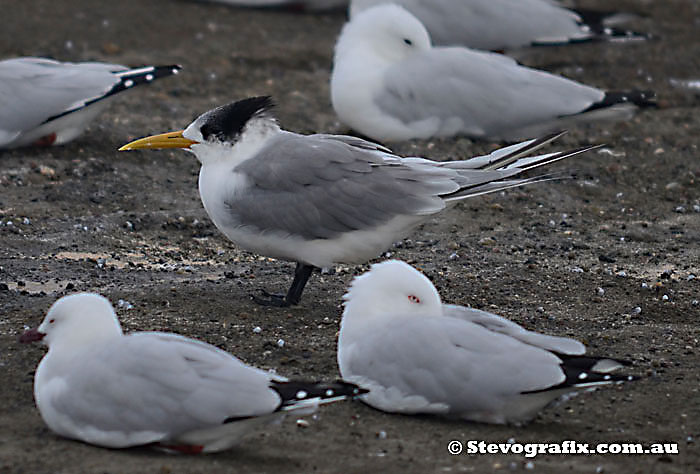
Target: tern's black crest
(226, 123)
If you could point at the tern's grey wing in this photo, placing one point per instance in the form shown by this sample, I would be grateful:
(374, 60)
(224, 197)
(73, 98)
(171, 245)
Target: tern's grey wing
(492, 322)
(319, 187)
(489, 93)
(354, 142)
(489, 24)
(162, 384)
(33, 90)
(446, 361)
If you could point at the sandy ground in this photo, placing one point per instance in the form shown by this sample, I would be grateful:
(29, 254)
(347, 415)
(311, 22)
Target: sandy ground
(573, 258)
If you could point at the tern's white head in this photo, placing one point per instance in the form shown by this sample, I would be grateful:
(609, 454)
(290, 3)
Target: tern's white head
(387, 32)
(76, 320)
(229, 132)
(391, 288)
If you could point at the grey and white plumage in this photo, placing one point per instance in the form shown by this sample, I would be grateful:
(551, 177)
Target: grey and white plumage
(321, 199)
(418, 355)
(496, 25)
(102, 387)
(47, 102)
(389, 83)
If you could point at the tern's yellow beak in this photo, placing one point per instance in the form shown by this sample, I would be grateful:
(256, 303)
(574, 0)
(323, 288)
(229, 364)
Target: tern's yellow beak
(164, 140)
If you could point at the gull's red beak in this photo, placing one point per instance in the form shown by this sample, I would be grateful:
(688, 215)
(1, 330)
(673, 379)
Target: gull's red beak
(31, 335)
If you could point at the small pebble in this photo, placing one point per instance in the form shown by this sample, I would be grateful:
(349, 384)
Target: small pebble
(577, 270)
(664, 297)
(124, 304)
(529, 465)
(621, 273)
(26, 221)
(381, 434)
(645, 286)
(600, 291)
(257, 329)
(637, 310)
(280, 342)
(695, 302)
(608, 151)
(302, 423)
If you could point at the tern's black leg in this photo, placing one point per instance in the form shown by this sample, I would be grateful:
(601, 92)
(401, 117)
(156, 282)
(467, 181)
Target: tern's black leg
(301, 276)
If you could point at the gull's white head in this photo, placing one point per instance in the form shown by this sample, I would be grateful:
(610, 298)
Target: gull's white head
(76, 320)
(392, 288)
(223, 133)
(387, 32)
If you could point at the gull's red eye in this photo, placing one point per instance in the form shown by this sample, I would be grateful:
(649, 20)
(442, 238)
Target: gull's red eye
(51, 321)
(413, 299)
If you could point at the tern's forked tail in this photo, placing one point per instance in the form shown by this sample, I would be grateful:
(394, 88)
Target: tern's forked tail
(506, 164)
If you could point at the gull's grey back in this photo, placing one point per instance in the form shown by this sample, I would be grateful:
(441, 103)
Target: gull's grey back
(33, 90)
(487, 24)
(490, 93)
(157, 382)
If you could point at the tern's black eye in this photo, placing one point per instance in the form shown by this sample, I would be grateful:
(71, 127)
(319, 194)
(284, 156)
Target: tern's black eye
(408, 41)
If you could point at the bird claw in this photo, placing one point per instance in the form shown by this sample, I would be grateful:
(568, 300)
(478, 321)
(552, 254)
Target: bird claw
(277, 300)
